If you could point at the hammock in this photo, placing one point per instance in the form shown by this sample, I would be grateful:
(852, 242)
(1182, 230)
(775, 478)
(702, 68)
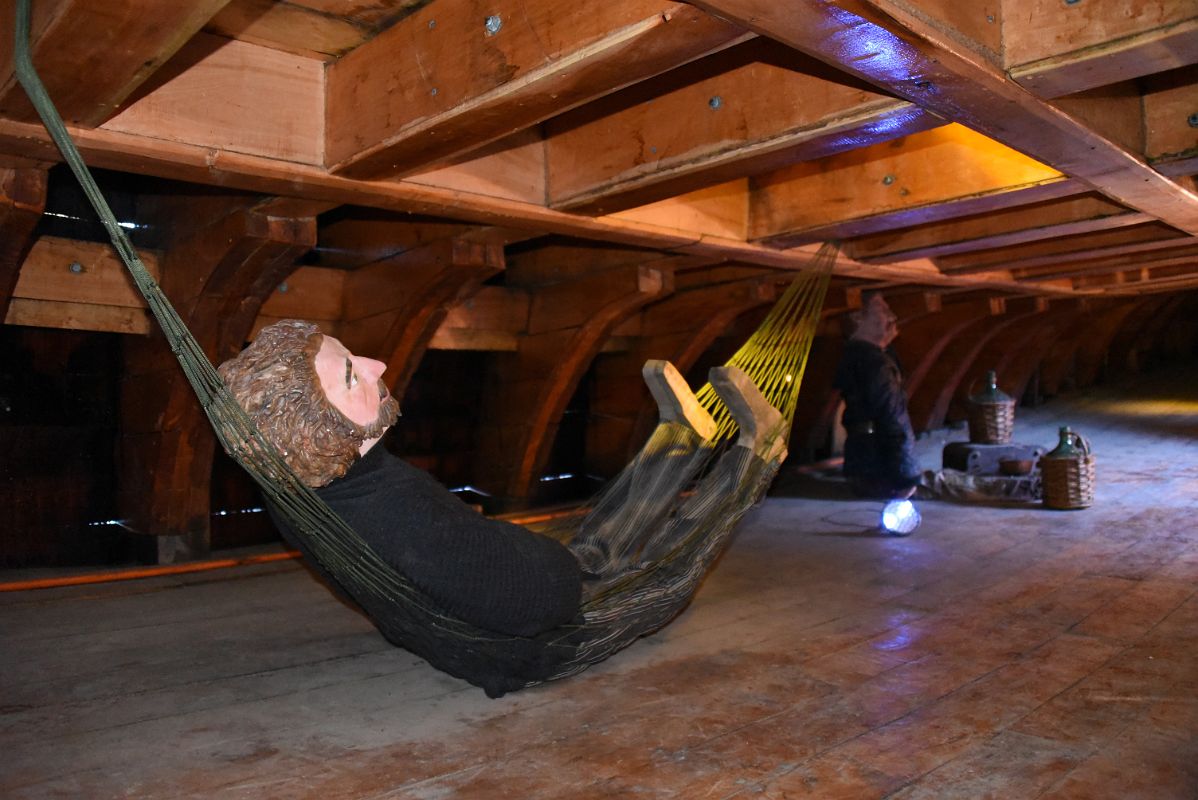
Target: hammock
(658, 542)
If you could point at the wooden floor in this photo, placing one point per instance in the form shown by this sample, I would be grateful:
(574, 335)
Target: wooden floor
(998, 652)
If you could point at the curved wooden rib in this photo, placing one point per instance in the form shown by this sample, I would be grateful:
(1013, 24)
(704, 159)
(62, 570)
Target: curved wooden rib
(218, 277)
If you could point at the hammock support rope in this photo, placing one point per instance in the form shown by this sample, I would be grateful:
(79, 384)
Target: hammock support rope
(666, 542)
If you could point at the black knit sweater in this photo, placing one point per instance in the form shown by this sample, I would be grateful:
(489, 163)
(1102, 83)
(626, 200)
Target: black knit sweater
(492, 574)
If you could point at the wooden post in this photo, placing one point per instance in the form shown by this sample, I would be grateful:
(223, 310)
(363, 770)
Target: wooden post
(922, 340)
(677, 329)
(1029, 318)
(1022, 363)
(394, 307)
(217, 276)
(93, 54)
(22, 200)
(1138, 331)
(937, 350)
(1091, 357)
(529, 390)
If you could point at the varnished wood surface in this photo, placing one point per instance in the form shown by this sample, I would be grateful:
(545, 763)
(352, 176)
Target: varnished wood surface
(998, 652)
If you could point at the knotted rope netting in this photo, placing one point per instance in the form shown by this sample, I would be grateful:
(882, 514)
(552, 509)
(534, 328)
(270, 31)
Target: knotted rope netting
(660, 539)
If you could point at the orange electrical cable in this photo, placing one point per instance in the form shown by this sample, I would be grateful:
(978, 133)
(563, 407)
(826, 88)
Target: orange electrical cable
(138, 573)
(145, 572)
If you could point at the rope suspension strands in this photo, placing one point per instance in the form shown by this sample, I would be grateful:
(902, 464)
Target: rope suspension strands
(655, 531)
(775, 355)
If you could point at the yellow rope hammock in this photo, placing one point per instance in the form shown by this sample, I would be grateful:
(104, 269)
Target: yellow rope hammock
(660, 539)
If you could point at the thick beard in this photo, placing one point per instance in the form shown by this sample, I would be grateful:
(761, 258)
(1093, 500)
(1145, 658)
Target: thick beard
(388, 413)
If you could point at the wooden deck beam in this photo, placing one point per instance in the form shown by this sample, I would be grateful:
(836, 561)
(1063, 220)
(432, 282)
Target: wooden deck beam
(65, 283)
(1171, 141)
(270, 103)
(92, 55)
(206, 166)
(449, 79)
(1141, 277)
(1053, 48)
(1184, 254)
(919, 57)
(932, 176)
(1050, 219)
(724, 121)
(1134, 239)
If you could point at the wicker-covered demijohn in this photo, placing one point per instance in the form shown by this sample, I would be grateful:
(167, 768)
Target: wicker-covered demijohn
(1067, 473)
(991, 414)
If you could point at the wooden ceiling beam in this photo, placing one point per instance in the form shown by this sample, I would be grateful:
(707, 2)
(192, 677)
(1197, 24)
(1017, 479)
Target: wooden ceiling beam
(1172, 272)
(180, 161)
(723, 274)
(916, 54)
(384, 286)
(730, 116)
(560, 261)
(310, 293)
(719, 211)
(513, 168)
(1171, 133)
(449, 79)
(1050, 219)
(367, 238)
(1152, 287)
(1133, 239)
(93, 54)
(565, 305)
(1159, 258)
(1115, 113)
(1054, 48)
(294, 27)
(270, 103)
(1141, 277)
(912, 304)
(932, 176)
(73, 271)
(492, 319)
(64, 283)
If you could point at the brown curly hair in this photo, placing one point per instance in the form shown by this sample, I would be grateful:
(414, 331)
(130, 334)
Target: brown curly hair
(275, 381)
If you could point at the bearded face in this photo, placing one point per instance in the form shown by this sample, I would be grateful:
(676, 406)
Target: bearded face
(280, 383)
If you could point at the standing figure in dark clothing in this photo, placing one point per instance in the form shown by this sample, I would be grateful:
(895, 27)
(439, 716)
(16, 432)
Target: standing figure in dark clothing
(878, 452)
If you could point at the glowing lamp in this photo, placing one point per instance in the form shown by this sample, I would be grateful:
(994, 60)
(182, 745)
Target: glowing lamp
(900, 517)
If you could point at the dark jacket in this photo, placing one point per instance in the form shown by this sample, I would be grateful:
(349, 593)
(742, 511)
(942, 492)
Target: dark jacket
(878, 451)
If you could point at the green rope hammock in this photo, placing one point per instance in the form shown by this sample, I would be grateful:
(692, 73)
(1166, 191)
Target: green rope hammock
(666, 546)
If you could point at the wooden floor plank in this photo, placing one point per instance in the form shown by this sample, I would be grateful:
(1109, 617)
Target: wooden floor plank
(998, 651)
